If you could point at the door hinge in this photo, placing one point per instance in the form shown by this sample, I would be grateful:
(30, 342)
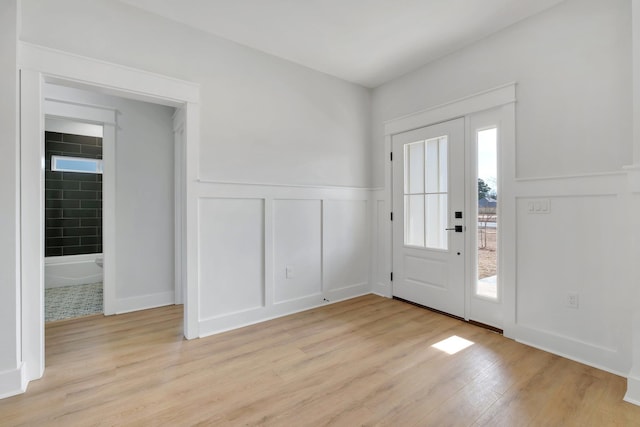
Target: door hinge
(391, 156)
(391, 276)
(391, 216)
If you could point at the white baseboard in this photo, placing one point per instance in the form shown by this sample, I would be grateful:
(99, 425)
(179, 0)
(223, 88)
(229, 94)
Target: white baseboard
(588, 354)
(219, 324)
(633, 390)
(382, 289)
(13, 382)
(143, 302)
(348, 292)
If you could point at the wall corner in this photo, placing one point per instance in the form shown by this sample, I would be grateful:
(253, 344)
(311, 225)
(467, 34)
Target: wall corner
(13, 382)
(633, 275)
(633, 390)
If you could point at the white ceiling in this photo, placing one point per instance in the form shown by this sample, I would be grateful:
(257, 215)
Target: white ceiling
(363, 41)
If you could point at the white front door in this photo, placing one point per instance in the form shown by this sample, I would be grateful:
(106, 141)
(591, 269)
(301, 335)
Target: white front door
(428, 216)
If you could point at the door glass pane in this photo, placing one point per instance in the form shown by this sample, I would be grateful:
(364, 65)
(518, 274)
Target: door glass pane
(414, 220)
(487, 209)
(436, 221)
(444, 168)
(432, 161)
(414, 173)
(425, 193)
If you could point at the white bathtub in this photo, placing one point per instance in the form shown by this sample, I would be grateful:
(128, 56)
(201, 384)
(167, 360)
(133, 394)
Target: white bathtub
(71, 270)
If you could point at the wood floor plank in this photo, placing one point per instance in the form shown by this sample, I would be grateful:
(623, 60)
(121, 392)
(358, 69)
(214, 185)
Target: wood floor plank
(366, 361)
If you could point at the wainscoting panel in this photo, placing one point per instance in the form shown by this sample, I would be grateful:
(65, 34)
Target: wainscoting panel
(567, 246)
(231, 255)
(346, 245)
(268, 250)
(381, 267)
(297, 235)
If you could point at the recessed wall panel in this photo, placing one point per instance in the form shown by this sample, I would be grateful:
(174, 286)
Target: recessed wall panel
(346, 243)
(231, 255)
(382, 263)
(562, 252)
(297, 249)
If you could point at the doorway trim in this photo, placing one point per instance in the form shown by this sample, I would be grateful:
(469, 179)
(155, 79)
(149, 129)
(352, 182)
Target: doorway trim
(38, 65)
(503, 97)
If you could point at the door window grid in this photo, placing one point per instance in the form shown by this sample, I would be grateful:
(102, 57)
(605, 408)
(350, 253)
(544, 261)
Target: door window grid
(426, 193)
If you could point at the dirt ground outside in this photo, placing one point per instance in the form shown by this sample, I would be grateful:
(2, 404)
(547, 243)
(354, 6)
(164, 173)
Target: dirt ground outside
(487, 256)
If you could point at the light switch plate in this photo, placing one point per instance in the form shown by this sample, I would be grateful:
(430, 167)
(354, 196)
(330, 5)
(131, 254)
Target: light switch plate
(538, 206)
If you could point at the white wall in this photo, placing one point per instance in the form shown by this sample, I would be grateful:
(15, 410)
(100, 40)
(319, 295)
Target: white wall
(9, 208)
(144, 197)
(572, 65)
(573, 69)
(265, 119)
(74, 128)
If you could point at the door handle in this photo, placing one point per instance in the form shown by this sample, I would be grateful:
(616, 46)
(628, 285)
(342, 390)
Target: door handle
(456, 228)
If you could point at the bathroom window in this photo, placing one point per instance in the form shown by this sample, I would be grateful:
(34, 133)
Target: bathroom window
(76, 164)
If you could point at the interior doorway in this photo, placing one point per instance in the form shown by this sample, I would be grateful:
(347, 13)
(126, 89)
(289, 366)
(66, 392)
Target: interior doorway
(40, 66)
(141, 235)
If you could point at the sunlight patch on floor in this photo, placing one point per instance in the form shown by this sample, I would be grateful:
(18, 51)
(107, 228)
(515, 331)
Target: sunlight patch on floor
(453, 344)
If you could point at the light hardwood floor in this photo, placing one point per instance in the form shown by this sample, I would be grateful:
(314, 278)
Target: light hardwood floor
(366, 361)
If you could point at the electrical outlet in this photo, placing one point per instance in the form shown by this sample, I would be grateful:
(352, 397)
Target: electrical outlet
(573, 300)
(289, 272)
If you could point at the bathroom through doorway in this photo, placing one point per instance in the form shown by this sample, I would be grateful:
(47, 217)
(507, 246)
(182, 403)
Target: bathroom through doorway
(110, 197)
(73, 219)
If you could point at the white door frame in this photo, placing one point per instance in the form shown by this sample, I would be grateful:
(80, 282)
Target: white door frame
(481, 309)
(178, 194)
(37, 65)
(503, 97)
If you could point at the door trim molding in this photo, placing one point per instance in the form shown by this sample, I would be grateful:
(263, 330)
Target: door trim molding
(38, 65)
(504, 97)
(485, 100)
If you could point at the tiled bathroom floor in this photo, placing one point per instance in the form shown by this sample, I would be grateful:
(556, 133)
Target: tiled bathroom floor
(72, 301)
